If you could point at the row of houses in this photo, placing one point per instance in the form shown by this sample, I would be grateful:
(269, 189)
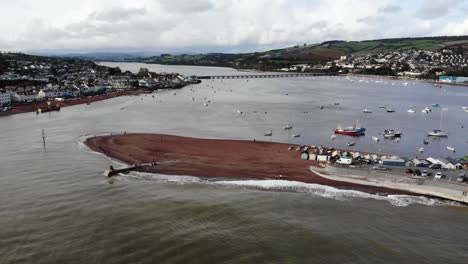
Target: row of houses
(322, 154)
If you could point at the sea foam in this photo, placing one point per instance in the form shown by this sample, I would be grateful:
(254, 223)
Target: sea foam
(293, 186)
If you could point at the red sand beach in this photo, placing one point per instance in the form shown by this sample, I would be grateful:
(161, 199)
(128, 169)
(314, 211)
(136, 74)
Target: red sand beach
(215, 158)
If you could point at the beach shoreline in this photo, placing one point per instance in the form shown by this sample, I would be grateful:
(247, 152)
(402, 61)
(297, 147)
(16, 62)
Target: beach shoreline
(32, 107)
(217, 158)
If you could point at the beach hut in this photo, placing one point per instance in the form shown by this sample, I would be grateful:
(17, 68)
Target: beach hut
(312, 156)
(323, 157)
(356, 155)
(305, 155)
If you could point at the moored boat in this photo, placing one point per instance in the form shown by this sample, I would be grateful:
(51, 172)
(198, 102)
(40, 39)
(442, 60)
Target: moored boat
(389, 110)
(411, 111)
(296, 135)
(376, 139)
(421, 149)
(287, 127)
(451, 149)
(268, 134)
(351, 143)
(391, 133)
(437, 133)
(367, 111)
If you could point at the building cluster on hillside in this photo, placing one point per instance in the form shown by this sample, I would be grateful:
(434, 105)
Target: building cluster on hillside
(30, 78)
(323, 154)
(409, 63)
(405, 62)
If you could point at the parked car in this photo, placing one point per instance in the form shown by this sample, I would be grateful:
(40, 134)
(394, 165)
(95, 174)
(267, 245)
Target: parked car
(379, 167)
(438, 175)
(409, 171)
(435, 166)
(417, 172)
(424, 173)
(461, 177)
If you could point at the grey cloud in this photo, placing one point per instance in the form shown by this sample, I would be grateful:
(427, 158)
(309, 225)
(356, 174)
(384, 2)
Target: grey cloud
(390, 9)
(118, 14)
(432, 9)
(187, 6)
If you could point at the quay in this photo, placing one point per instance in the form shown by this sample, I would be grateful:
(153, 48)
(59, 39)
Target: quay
(415, 184)
(278, 75)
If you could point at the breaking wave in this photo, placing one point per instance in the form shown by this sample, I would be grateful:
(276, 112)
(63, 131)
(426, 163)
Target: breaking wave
(293, 186)
(335, 193)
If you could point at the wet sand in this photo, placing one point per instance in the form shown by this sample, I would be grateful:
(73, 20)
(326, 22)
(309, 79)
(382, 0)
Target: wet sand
(32, 107)
(177, 155)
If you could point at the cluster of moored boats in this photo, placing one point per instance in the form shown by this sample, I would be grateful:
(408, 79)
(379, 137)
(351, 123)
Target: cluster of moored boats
(356, 130)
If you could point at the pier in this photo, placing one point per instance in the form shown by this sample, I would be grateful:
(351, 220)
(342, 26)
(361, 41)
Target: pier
(270, 75)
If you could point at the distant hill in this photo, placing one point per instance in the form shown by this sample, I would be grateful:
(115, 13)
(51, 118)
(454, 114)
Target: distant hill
(311, 54)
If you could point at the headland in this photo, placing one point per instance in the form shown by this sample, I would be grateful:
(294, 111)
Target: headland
(215, 158)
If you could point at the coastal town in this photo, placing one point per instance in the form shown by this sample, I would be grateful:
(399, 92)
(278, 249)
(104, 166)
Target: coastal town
(26, 79)
(412, 63)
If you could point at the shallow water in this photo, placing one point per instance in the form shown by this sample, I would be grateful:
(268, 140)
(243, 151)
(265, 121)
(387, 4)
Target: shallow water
(56, 207)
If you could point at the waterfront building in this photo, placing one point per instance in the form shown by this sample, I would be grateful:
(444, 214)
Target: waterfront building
(5, 98)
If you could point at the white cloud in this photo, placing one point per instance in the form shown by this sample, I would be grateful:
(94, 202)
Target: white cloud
(181, 24)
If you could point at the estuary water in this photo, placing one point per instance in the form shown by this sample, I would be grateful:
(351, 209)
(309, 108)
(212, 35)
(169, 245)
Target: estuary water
(56, 207)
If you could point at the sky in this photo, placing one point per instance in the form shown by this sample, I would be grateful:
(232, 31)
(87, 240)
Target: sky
(217, 25)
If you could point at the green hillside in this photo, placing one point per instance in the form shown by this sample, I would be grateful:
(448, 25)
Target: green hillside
(312, 54)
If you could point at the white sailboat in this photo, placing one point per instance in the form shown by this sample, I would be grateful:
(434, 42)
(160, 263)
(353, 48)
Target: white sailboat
(439, 132)
(375, 139)
(450, 149)
(367, 111)
(411, 111)
(287, 127)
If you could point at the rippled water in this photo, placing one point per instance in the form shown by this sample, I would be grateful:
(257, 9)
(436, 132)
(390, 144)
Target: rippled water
(56, 207)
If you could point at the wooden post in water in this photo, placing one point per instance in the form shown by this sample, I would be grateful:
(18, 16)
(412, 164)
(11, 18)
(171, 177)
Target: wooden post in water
(43, 138)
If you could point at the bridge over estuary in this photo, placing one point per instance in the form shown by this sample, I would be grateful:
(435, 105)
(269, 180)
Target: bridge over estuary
(266, 75)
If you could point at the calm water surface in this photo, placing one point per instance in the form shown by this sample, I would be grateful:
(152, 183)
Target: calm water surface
(56, 207)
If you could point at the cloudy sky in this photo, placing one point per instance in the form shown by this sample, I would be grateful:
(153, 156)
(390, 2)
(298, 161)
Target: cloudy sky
(221, 25)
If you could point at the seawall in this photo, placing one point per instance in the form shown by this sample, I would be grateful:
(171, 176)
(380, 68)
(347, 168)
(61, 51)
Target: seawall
(429, 187)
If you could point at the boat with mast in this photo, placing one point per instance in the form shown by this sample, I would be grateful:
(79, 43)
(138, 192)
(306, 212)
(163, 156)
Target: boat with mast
(439, 132)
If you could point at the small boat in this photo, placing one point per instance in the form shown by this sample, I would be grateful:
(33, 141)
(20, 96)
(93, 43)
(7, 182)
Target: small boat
(450, 149)
(287, 127)
(426, 142)
(391, 133)
(268, 134)
(389, 110)
(465, 108)
(205, 104)
(435, 105)
(333, 137)
(351, 143)
(376, 139)
(239, 112)
(321, 107)
(396, 140)
(421, 149)
(296, 135)
(347, 132)
(426, 110)
(411, 111)
(437, 133)
(367, 111)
